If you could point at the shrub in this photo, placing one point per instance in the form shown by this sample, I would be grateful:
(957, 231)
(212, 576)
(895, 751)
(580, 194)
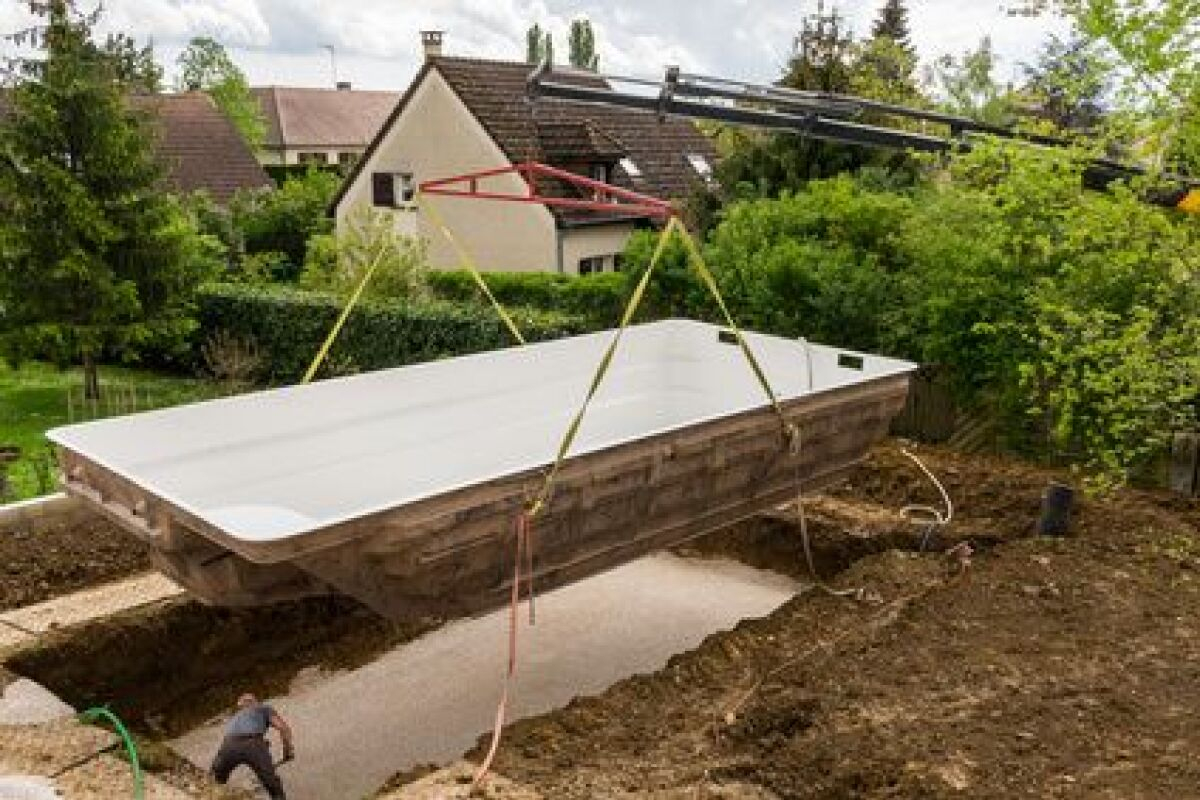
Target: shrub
(282, 220)
(600, 297)
(336, 263)
(287, 327)
(819, 263)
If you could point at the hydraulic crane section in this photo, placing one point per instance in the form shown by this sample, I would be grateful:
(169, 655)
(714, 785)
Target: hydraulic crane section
(827, 117)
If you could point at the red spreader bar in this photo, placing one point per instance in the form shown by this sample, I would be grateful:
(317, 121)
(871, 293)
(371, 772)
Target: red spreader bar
(605, 197)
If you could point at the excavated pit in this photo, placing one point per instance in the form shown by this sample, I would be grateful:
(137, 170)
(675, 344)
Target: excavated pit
(169, 667)
(172, 668)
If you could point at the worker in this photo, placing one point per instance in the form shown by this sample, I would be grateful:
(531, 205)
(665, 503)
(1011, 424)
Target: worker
(246, 743)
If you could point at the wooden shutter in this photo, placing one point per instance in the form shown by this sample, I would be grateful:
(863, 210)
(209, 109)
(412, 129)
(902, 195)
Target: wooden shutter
(383, 189)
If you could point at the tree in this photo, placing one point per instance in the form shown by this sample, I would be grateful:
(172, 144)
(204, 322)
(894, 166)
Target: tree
(1068, 84)
(206, 66)
(892, 24)
(136, 66)
(969, 87)
(583, 45)
(887, 62)
(96, 258)
(280, 222)
(1154, 49)
(539, 45)
(756, 164)
(821, 54)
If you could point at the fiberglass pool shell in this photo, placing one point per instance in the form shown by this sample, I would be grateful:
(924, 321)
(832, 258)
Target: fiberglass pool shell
(399, 487)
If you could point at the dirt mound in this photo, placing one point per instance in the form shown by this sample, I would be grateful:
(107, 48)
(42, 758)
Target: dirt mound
(36, 565)
(1045, 668)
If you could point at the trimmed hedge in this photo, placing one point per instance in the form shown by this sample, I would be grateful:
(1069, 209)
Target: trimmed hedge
(600, 297)
(288, 326)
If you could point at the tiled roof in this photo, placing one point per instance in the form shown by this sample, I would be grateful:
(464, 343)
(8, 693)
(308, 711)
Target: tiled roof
(494, 91)
(200, 148)
(197, 145)
(581, 141)
(326, 118)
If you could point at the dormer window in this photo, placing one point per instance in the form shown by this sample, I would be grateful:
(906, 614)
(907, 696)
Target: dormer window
(701, 165)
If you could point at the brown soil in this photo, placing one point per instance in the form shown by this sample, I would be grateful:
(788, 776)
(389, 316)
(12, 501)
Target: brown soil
(63, 558)
(166, 668)
(1064, 668)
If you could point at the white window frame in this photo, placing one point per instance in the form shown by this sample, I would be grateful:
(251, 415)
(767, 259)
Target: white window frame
(404, 188)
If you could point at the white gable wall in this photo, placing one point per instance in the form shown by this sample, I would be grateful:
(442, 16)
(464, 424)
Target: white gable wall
(436, 136)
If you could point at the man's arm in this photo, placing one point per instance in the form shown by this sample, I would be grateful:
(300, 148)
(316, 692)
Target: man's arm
(285, 733)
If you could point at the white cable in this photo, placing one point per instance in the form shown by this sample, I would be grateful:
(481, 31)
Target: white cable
(931, 515)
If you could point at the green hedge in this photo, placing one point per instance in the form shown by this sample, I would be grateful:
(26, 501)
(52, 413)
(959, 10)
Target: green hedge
(599, 297)
(288, 325)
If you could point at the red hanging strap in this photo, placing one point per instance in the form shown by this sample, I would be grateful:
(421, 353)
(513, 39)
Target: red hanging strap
(522, 568)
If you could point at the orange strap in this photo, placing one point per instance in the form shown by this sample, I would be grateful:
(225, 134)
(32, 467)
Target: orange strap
(522, 568)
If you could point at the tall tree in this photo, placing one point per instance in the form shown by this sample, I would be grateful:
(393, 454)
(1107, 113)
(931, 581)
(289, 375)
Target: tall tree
(1154, 48)
(206, 66)
(969, 87)
(95, 257)
(583, 45)
(1068, 84)
(821, 53)
(539, 45)
(135, 64)
(892, 23)
(887, 62)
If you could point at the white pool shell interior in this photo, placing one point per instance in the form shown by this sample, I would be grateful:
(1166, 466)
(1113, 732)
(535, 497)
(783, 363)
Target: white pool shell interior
(276, 464)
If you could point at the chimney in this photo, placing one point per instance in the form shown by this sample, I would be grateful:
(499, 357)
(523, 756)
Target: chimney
(344, 86)
(431, 42)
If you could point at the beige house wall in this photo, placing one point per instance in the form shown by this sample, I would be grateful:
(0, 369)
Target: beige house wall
(436, 136)
(604, 242)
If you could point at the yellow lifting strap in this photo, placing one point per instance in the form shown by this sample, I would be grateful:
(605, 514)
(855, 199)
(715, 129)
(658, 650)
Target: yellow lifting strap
(465, 261)
(468, 263)
(323, 353)
(696, 260)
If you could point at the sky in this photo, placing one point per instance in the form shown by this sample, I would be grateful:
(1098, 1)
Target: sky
(377, 45)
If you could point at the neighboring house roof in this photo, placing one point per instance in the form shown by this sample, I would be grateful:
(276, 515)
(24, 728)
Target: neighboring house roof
(322, 118)
(200, 148)
(197, 145)
(557, 131)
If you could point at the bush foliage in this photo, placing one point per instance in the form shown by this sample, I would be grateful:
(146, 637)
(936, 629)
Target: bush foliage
(1070, 315)
(286, 327)
(600, 297)
(283, 220)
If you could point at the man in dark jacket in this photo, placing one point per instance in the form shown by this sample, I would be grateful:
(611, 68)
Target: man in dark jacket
(246, 743)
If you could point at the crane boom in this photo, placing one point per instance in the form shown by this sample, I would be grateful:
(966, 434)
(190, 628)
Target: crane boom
(824, 116)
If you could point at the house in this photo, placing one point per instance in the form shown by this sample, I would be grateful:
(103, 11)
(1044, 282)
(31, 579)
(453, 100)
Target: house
(463, 115)
(320, 126)
(199, 148)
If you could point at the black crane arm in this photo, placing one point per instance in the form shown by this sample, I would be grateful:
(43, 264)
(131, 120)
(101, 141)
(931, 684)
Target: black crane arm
(824, 116)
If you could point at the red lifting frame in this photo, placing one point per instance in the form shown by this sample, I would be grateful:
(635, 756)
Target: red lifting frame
(605, 197)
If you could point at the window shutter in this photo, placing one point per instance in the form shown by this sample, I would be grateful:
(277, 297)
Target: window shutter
(383, 187)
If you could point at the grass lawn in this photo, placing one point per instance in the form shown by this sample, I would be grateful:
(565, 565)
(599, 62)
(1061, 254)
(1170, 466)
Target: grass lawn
(34, 398)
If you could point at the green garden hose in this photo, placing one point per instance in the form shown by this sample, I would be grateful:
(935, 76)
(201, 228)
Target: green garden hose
(94, 714)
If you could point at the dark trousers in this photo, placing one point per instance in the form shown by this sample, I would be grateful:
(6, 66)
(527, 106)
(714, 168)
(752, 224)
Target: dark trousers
(255, 753)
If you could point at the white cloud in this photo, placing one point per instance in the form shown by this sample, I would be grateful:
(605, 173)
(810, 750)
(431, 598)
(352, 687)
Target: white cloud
(280, 41)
